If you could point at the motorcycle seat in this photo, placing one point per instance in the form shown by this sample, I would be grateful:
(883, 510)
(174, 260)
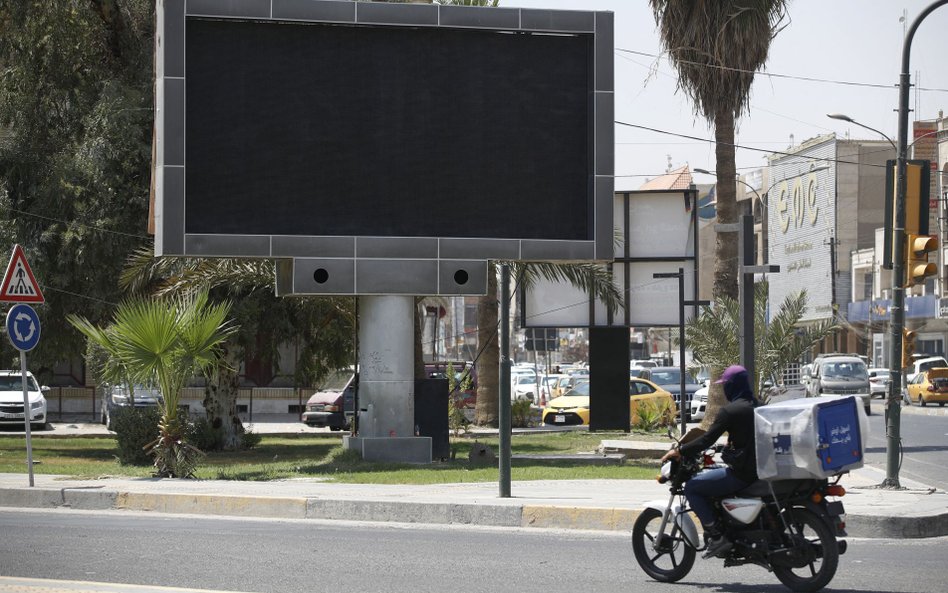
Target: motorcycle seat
(761, 488)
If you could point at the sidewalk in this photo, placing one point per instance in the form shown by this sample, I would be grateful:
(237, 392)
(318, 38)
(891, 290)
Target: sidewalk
(916, 511)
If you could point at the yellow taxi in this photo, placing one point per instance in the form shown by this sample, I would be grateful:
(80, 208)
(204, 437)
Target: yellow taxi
(929, 387)
(572, 408)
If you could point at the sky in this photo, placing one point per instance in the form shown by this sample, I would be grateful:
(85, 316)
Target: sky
(846, 41)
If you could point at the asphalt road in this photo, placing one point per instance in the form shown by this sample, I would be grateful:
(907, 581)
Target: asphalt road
(924, 435)
(286, 556)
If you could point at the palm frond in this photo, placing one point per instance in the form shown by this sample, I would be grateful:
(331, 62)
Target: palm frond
(595, 279)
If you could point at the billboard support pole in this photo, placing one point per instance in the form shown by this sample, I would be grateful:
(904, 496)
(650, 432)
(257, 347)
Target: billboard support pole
(504, 391)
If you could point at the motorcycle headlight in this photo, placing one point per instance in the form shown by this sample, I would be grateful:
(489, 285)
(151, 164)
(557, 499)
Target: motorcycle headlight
(666, 470)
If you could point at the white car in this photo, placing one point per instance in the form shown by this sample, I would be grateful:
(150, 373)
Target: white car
(699, 403)
(524, 386)
(878, 382)
(923, 364)
(11, 400)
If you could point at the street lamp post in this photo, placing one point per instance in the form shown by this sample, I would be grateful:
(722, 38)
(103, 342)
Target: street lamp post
(847, 119)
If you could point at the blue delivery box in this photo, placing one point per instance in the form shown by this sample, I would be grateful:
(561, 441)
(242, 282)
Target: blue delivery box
(810, 438)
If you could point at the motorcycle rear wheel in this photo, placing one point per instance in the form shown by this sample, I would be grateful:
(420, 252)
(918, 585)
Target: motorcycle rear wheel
(820, 568)
(675, 557)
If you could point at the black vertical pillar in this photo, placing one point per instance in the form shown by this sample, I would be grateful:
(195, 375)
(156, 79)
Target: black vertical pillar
(609, 378)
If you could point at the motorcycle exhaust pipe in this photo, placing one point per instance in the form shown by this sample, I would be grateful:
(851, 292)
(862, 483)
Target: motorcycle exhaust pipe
(841, 546)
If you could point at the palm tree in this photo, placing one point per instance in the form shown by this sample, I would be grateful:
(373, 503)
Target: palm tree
(717, 47)
(322, 326)
(713, 337)
(593, 277)
(165, 341)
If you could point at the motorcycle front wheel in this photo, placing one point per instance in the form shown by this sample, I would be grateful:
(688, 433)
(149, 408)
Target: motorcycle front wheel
(671, 559)
(820, 556)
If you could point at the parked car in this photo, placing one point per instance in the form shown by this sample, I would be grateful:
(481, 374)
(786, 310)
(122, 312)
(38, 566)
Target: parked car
(930, 386)
(806, 373)
(524, 386)
(699, 403)
(333, 405)
(878, 382)
(840, 374)
(669, 379)
(640, 373)
(643, 363)
(549, 385)
(572, 408)
(921, 365)
(11, 400)
(115, 397)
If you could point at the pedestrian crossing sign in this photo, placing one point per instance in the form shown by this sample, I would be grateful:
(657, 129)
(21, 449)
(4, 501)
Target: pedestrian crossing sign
(19, 284)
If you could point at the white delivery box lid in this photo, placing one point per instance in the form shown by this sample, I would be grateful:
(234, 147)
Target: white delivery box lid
(813, 437)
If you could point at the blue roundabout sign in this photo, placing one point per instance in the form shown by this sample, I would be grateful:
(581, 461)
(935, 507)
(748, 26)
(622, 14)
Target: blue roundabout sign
(23, 327)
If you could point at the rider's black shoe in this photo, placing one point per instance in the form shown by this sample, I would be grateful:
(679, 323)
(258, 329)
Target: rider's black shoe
(717, 544)
(718, 547)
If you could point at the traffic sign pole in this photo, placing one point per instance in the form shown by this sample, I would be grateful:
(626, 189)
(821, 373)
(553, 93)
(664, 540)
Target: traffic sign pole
(23, 329)
(27, 413)
(19, 286)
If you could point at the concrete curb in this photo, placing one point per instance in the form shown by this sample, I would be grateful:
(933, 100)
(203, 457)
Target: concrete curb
(480, 514)
(876, 526)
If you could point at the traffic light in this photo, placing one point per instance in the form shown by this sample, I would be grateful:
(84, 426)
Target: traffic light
(908, 347)
(917, 268)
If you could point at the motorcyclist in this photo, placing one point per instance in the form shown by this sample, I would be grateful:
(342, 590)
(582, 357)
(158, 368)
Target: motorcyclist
(737, 420)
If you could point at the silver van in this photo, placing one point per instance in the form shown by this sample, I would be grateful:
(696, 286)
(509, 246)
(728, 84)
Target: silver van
(840, 375)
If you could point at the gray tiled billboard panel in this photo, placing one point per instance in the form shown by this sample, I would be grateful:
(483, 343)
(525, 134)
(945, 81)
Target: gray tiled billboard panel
(379, 276)
(171, 50)
(605, 130)
(292, 246)
(396, 14)
(539, 250)
(476, 271)
(567, 21)
(604, 189)
(340, 276)
(335, 11)
(605, 51)
(476, 16)
(234, 8)
(173, 138)
(172, 211)
(227, 245)
(397, 247)
(480, 248)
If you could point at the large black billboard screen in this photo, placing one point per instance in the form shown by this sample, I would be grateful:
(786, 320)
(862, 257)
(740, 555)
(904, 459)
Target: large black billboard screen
(330, 130)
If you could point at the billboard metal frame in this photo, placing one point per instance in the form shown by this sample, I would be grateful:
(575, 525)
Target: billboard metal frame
(351, 264)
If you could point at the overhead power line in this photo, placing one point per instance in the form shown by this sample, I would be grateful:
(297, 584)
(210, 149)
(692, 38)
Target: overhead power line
(784, 76)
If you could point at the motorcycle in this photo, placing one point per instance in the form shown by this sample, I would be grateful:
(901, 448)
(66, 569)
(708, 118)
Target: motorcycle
(787, 527)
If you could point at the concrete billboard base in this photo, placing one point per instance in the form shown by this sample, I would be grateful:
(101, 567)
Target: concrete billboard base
(391, 449)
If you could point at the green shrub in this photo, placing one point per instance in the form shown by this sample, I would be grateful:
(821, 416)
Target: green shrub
(649, 416)
(135, 428)
(521, 413)
(205, 437)
(457, 421)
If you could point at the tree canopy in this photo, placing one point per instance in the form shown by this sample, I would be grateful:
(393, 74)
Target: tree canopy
(76, 113)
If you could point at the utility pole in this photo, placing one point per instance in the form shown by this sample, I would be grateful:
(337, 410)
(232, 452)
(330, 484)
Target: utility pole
(833, 242)
(893, 400)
